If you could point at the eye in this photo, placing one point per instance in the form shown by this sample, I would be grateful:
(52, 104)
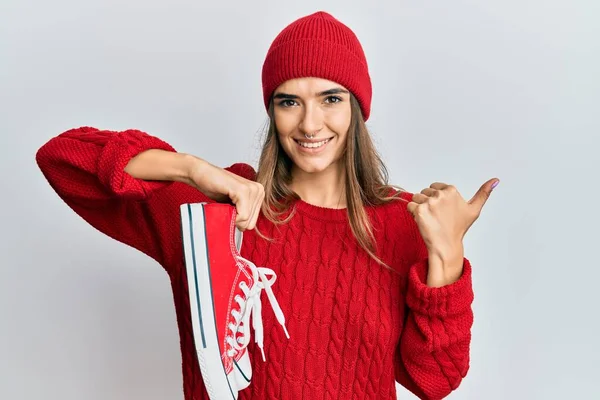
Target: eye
(287, 103)
(333, 99)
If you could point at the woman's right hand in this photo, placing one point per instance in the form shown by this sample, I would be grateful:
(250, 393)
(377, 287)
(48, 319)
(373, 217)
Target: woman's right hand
(216, 183)
(222, 185)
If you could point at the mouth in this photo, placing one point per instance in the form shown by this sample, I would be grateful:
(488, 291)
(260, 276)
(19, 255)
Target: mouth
(312, 145)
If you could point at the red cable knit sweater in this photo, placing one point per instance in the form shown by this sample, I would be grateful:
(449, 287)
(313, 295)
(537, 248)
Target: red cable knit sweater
(355, 326)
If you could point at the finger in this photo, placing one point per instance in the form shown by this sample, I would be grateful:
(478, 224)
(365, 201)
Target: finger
(430, 192)
(420, 198)
(242, 217)
(439, 185)
(412, 207)
(257, 204)
(483, 194)
(253, 217)
(244, 210)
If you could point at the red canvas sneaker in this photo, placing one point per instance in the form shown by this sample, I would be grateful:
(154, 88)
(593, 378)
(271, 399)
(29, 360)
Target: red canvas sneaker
(224, 292)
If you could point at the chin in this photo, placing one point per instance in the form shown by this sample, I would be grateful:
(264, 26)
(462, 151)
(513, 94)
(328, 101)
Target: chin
(313, 166)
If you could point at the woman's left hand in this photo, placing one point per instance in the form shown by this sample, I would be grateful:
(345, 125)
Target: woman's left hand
(443, 218)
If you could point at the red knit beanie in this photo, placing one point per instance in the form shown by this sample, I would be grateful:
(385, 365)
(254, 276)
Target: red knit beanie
(320, 46)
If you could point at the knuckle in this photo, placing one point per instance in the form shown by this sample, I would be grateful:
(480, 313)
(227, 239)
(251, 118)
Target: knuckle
(241, 216)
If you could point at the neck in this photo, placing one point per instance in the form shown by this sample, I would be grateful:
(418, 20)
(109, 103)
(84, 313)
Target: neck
(323, 189)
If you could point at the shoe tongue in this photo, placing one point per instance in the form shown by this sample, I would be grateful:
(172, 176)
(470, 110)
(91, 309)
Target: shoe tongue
(238, 239)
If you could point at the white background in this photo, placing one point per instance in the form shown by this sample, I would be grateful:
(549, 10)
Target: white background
(463, 91)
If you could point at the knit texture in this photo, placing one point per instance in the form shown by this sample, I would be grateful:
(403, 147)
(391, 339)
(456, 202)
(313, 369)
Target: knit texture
(318, 45)
(355, 326)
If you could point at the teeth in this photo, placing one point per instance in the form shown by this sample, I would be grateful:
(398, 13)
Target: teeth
(313, 145)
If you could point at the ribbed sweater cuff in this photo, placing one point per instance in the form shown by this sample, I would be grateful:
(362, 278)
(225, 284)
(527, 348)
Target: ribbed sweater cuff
(115, 156)
(449, 300)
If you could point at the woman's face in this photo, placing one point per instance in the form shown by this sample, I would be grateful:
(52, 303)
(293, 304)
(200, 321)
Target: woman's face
(312, 106)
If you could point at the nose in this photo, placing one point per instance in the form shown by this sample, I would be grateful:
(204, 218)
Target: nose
(312, 120)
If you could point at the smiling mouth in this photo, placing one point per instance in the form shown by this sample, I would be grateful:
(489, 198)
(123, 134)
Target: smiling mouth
(313, 145)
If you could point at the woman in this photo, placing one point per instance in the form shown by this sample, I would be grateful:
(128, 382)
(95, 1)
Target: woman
(372, 280)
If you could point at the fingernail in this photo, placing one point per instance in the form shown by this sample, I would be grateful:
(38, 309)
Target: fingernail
(495, 184)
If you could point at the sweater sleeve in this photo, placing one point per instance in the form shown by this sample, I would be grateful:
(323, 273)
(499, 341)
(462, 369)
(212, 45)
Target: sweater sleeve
(433, 354)
(85, 167)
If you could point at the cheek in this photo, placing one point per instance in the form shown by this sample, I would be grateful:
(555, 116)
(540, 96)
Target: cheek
(340, 123)
(284, 122)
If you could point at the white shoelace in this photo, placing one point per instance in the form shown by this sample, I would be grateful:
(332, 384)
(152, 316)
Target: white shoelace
(252, 306)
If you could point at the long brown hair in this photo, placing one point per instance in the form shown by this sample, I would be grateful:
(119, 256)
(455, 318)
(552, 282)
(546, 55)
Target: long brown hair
(366, 178)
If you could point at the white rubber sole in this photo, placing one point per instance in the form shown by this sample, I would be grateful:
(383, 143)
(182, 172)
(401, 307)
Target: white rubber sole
(218, 384)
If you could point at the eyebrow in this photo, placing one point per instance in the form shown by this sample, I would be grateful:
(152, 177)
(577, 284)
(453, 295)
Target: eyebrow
(328, 92)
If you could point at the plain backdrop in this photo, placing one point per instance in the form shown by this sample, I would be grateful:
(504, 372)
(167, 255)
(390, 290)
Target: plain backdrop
(463, 91)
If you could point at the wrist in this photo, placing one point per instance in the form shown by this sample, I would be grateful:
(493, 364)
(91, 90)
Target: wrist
(445, 266)
(447, 252)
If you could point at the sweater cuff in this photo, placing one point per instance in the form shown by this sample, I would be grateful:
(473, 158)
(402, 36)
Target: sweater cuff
(116, 154)
(441, 302)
